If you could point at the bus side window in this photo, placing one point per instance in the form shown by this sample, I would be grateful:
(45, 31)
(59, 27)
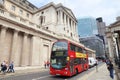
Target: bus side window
(80, 61)
(84, 51)
(77, 61)
(80, 49)
(72, 47)
(76, 49)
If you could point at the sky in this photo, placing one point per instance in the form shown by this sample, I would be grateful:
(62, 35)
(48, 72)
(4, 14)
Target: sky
(107, 9)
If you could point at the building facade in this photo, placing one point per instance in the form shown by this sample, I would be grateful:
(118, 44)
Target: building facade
(101, 32)
(27, 32)
(101, 26)
(94, 43)
(113, 38)
(87, 27)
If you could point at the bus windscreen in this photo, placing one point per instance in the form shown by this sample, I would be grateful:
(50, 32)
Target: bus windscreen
(59, 55)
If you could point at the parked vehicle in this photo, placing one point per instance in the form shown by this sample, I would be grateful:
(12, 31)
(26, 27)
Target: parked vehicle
(91, 61)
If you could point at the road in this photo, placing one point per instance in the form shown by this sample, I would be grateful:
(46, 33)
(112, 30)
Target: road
(46, 76)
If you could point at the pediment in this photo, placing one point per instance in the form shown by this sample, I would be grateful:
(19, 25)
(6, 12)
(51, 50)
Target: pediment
(69, 11)
(117, 23)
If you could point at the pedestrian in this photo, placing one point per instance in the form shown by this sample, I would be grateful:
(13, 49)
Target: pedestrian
(4, 67)
(96, 64)
(111, 69)
(48, 63)
(1, 67)
(107, 62)
(11, 67)
(45, 64)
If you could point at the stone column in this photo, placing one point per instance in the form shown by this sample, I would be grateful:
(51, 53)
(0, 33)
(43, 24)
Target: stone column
(2, 43)
(68, 21)
(65, 20)
(14, 55)
(31, 52)
(71, 25)
(110, 47)
(24, 50)
(74, 27)
(61, 20)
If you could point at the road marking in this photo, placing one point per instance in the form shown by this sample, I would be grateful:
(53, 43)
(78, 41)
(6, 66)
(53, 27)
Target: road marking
(41, 77)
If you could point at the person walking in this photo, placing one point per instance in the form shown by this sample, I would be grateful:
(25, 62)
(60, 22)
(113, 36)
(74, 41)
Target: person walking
(107, 62)
(96, 64)
(4, 67)
(45, 64)
(11, 67)
(48, 63)
(111, 69)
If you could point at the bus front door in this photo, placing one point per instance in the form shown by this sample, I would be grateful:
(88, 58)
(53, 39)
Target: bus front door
(72, 66)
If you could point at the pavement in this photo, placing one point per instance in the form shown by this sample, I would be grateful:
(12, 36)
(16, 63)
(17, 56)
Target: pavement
(117, 72)
(23, 71)
(100, 73)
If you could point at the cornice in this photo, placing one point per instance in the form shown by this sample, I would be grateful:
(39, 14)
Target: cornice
(23, 7)
(115, 24)
(29, 28)
(56, 7)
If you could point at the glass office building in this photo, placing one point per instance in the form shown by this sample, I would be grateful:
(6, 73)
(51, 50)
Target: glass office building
(87, 27)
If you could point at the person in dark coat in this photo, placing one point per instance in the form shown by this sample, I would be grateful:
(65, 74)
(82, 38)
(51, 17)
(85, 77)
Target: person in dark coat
(111, 69)
(3, 67)
(11, 67)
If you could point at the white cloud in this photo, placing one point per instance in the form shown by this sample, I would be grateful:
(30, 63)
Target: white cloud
(108, 9)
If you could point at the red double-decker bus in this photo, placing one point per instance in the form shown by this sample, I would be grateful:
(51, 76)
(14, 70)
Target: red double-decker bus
(68, 58)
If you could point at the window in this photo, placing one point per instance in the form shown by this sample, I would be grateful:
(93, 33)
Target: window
(21, 11)
(72, 47)
(42, 12)
(46, 27)
(77, 61)
(76, 49)
(27, 15)
(41, 19)
(13, 7)
(84, 51)
(60, 45)
(80, 49)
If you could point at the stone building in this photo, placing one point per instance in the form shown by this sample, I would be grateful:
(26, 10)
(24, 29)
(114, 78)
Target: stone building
(27, 32)
(113, 38)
